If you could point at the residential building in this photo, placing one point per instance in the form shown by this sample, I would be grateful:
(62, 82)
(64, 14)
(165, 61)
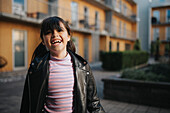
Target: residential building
(144, 23)
(121, 25)
(160, 24)
(153, 24)
(97, 25)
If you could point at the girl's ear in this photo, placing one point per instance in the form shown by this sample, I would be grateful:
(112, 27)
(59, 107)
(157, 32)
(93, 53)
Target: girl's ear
(68, 38)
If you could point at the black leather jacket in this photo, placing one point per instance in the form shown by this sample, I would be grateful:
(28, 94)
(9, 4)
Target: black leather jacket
(36, 85)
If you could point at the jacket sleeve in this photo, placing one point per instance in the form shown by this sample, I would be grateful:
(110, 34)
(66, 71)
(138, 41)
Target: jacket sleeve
(93, 102)
(25, 98)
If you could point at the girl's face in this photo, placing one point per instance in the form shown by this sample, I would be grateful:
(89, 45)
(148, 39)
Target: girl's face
(56, 41)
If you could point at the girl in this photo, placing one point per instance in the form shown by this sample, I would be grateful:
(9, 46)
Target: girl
(59, 80)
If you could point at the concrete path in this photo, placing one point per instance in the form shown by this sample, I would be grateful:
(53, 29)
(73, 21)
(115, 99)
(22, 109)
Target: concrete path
(115, 106)
(11, 88)
(121, 107)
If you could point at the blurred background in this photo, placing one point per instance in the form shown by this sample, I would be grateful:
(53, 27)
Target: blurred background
(119, 38)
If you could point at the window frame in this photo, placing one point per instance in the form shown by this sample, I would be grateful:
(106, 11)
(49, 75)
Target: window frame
(24, 10)
(155, 38)
(158, 12)
(167, 34)
(25, 49)
(167, 16)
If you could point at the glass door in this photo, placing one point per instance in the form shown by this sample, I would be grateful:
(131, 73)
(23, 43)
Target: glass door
(74, 14)
(86, 48)
(19, 49)
(53, 7)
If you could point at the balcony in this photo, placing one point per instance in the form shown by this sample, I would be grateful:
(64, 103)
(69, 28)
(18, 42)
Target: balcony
(99, 3)
(121, 10)
(160, 21)
(123, 33)
(77, 20)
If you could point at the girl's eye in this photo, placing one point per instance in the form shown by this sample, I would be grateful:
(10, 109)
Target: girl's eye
(59, 30)
(48, 32)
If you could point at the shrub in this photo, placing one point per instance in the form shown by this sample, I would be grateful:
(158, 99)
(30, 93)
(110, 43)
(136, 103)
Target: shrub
(137, 45)
(157, 73)
(122, 60)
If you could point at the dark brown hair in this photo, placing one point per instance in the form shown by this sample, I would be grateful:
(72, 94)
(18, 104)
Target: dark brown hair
(52, 23)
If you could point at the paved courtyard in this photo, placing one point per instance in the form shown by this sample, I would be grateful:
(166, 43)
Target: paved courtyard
(11, 87)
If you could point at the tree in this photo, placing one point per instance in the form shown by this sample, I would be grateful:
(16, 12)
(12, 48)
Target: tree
(137, 45)
(157, 46)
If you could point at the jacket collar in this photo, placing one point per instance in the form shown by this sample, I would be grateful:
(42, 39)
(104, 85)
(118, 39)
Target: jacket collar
(77, 60)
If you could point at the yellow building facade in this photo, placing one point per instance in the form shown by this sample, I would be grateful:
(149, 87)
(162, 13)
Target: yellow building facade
(103, 25)
(122, 27)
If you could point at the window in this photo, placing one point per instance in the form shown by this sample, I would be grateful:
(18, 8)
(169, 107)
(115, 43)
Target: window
(168, 15)
(53, 7)
(168, 33)
(19, 7)
(124, 30)
(19, 49)
(120, 28)
(120, 5)
(86, 17)
(155, 33)
(110, 46)
(156, 14)
(116, 5)
(74, 14)
(162, 0)
(76, 43)
(127, 47)
(114, 27)
(117, 46)
(86, 48)
(125, 10)
(97, 26)
(19, 2)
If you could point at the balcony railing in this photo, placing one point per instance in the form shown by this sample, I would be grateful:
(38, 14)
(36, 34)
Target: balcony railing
(76, 19)
(161, 20)
(123, 9)
(123, 33)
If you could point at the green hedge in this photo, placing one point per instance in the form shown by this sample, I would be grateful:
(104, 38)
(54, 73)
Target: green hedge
(156, 73)
(122, 60)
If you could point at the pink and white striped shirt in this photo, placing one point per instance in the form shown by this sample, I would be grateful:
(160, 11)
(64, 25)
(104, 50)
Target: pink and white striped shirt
(60, 86)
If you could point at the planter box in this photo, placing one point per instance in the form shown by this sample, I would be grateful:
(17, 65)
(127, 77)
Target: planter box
(138, 92)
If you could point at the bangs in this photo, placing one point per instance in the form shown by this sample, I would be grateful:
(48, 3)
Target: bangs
(51, 24)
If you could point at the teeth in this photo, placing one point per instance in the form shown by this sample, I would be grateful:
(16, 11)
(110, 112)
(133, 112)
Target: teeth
(58, 41)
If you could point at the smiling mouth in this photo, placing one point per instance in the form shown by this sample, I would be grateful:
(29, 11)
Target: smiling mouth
(57, 41)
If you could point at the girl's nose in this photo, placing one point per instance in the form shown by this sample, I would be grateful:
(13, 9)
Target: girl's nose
(55, 34)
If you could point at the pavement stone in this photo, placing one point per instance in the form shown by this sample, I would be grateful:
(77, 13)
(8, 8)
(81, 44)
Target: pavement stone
(11, 88)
